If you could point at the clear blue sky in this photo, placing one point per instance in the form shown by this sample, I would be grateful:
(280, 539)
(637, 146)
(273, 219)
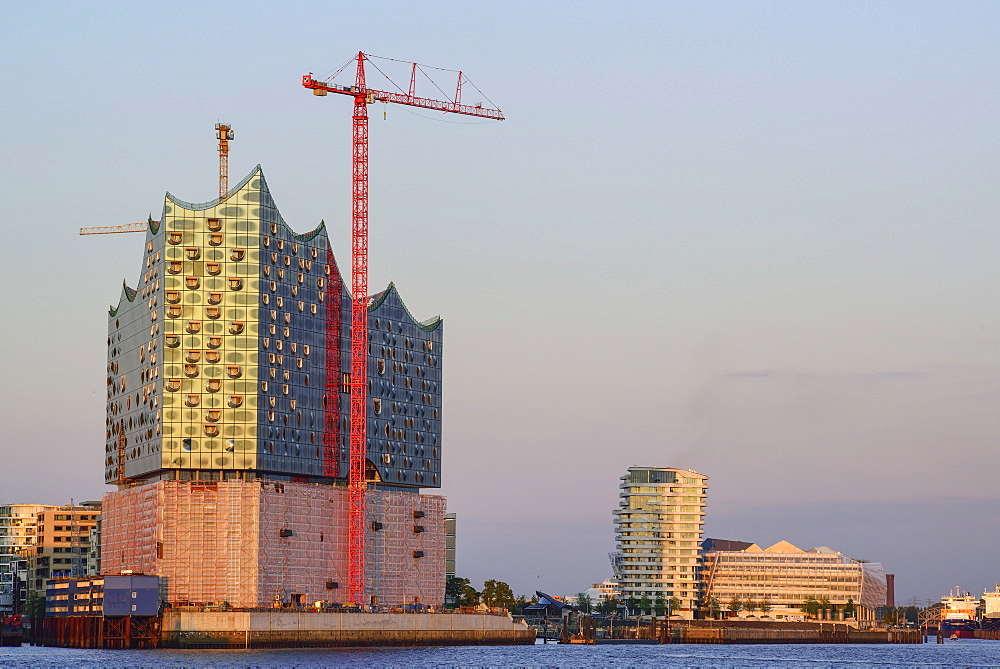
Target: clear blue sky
(758, 240)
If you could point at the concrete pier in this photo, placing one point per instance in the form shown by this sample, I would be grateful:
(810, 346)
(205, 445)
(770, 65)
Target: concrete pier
(221, 629)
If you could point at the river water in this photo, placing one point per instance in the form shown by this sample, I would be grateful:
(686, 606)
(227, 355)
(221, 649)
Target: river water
(962, 653)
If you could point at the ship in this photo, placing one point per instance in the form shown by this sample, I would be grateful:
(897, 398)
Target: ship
(991, 614)
(959, 618)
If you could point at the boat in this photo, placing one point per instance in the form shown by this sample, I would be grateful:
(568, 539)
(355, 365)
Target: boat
(991, 614)
(959, 617)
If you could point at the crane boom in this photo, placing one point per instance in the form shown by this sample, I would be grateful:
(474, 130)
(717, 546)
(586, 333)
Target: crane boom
(372, 95)
(358, 450)
(112, 229)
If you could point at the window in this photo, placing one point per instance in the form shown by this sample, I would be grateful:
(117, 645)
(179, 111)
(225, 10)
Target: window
(237, 254)
(172, 341)
(235, 400)
(213, 268)
(214, 298)
(215, 239)
(175, 266)
(192, 252)
(214, 224)
(194, 327)
(192, 400)
(213, 415)
(236, 327)
(234, 371)
(212, 357)
(235, 283)
(174, 311)
(212, 312)
(214, 342)
(214, 385)
(211, 430)
(192, 282)
(377, 405)
(175, 237)
(173, 385)
(173, 297)
(345, 382)
(193, 356)
(191, 370)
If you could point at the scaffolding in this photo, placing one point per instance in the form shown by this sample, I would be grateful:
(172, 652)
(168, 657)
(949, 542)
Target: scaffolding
(251, 544)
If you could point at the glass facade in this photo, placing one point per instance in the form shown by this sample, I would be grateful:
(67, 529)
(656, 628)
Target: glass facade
(217, 360)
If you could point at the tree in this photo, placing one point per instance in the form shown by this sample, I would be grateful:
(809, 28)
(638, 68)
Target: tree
(810, 606)
(470, 596)
(453, 588)
(675, 605)
(497, 593)
(660, 605)
(608, 606)
(714, 607)
(734, 605)
(750, 605)
(849, 608)
(645, 604)
(519, 604)
(34, 604)
(765, 605)
(631, 603)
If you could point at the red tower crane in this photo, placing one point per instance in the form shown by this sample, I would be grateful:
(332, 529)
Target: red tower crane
(364, 96)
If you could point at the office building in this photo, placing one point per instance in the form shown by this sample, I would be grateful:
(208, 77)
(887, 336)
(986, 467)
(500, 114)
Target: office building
(777, 582)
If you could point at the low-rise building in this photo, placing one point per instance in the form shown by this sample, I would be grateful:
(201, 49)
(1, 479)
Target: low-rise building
(783, 581)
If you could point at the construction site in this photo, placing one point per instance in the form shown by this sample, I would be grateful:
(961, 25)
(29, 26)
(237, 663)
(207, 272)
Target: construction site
(272, 427)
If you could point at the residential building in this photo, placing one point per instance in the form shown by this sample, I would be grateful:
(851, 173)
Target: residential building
(658, 529)
(776, 582)
(228, 417)
(17, 535)
(62, 543)
(603, 591)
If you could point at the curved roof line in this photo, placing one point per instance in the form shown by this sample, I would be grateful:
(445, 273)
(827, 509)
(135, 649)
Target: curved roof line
(127, 293)
(199, 206)
(428, 325)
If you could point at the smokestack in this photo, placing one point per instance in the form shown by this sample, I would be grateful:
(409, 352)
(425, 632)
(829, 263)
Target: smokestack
(890, 590)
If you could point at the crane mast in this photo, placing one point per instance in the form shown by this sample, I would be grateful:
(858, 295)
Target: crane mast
(363, 96)
(359, 339)
(224, 133)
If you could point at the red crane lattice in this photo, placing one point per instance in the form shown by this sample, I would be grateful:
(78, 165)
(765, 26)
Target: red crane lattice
(363, 96)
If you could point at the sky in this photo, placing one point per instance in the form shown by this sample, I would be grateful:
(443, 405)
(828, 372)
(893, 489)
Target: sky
(753, 239)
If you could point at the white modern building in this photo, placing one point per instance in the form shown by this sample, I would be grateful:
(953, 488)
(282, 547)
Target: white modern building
(744, 580)
(658, 529)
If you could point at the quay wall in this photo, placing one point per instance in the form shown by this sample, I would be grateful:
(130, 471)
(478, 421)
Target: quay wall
(222, 629)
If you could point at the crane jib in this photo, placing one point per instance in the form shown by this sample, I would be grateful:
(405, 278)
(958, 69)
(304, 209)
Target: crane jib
(373, 95)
